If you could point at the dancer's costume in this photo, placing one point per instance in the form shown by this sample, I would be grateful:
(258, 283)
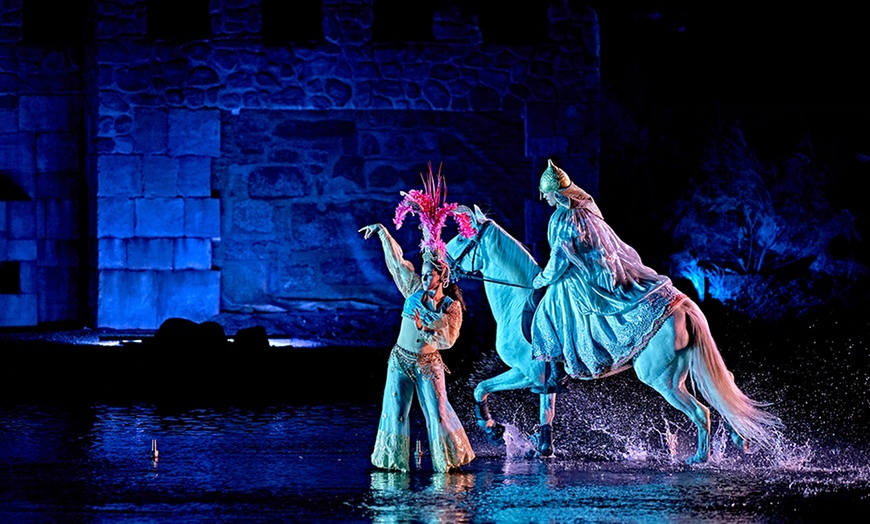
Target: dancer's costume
(410, 370)
(602, 305)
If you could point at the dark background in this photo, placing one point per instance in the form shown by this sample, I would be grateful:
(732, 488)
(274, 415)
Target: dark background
(787, 74)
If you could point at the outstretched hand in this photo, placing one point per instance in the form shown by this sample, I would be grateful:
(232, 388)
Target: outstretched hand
(370, 229)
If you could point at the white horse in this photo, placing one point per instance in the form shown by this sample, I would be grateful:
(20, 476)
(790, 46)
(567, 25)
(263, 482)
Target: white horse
(682, 346)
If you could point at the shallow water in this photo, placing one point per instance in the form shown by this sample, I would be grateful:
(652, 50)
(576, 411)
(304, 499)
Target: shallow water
(93, 463)
(256, 440)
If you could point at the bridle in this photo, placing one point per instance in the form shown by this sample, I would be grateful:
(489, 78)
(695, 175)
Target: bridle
(455, 263)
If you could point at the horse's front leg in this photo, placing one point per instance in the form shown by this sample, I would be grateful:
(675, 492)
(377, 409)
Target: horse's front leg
(510, 379)
(544, 439)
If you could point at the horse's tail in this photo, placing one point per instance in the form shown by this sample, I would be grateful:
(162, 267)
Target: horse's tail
(743, 414)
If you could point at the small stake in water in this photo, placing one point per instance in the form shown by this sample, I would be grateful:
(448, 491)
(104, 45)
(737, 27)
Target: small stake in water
(154, 451)
(419, 453)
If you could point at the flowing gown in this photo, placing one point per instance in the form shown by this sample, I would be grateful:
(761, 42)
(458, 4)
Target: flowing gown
(602, 305)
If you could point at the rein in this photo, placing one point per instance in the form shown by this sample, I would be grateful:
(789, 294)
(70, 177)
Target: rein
(472, 244)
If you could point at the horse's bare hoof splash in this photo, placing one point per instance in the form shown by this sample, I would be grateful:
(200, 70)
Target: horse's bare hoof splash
(495, 434)
(493, 430)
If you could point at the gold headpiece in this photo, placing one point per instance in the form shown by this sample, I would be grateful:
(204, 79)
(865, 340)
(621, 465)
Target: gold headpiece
(553, 178)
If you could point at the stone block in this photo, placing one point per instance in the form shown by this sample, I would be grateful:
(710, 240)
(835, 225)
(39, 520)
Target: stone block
(159, 217)
(245, 282)
(202, 218)
(51, 112)
(192, 253)
(40, 218)
(193, 295)
(58, 152)
(21, 249)
(8, 121)
(194, 132)
(18, 310)
(298, 277)
(194, 176)
(150, 131)
(8, 102)
(21, 217)
(28, 273)
(115, 217)
(335, 224)
(127, 299)
(540, 119)
(159, 176)
(18, 161)
(58, 292)
(546, 147)
(149, 253)
(252, 216)
(59, 253)
(61, 219)
(64, 184)
(112, 253)
(119, 175)
(278, 182)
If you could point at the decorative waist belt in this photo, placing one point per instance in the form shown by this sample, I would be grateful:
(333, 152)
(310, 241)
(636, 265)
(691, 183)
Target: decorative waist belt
(428, 363)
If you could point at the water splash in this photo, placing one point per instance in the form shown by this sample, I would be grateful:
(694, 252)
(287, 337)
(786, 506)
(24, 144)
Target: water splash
(517, 444)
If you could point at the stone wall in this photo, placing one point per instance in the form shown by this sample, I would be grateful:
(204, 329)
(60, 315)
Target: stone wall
(43, 206)
(227, 175)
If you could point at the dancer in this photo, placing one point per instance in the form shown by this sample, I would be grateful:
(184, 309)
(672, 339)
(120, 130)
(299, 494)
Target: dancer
(431, 319)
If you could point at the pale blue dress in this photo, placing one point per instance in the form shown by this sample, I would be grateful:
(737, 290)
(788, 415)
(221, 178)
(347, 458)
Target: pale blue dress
(602, 305)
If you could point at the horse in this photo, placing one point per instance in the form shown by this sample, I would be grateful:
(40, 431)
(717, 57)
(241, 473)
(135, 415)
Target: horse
(682, 347)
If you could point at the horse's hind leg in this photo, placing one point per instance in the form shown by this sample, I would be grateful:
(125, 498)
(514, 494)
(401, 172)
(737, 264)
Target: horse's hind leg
(665, 370)
(737, 438)
(510, 379)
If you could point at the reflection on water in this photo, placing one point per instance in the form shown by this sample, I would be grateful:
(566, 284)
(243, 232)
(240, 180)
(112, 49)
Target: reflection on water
(436, 498)
(94, 462)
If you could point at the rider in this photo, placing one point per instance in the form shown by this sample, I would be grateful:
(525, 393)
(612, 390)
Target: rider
(602, 304)
(431, 318)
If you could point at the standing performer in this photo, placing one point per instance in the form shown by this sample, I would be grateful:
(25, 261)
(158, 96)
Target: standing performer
(431, 318)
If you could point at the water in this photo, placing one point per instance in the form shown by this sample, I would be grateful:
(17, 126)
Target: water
(93, 463)
(283, 446)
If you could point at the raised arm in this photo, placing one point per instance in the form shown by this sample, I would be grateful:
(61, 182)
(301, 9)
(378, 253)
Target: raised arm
(557, 265)
(560, 234)
(401, 270)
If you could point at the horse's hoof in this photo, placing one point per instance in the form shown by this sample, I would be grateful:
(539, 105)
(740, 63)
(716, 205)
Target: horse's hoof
(542, 442)
(697, 459)
(740, 442)
(545, 441)
(495, 434)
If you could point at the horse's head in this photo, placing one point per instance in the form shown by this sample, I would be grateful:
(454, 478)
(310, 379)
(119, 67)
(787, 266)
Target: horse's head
(463, 253)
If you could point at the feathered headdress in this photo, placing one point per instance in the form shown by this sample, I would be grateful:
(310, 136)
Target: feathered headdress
(432, 208)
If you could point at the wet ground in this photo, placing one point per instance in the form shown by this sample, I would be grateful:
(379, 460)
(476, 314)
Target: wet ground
(309, 463)
(284, 435)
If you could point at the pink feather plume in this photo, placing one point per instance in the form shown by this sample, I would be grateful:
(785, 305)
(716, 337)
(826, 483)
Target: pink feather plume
(431, 207)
